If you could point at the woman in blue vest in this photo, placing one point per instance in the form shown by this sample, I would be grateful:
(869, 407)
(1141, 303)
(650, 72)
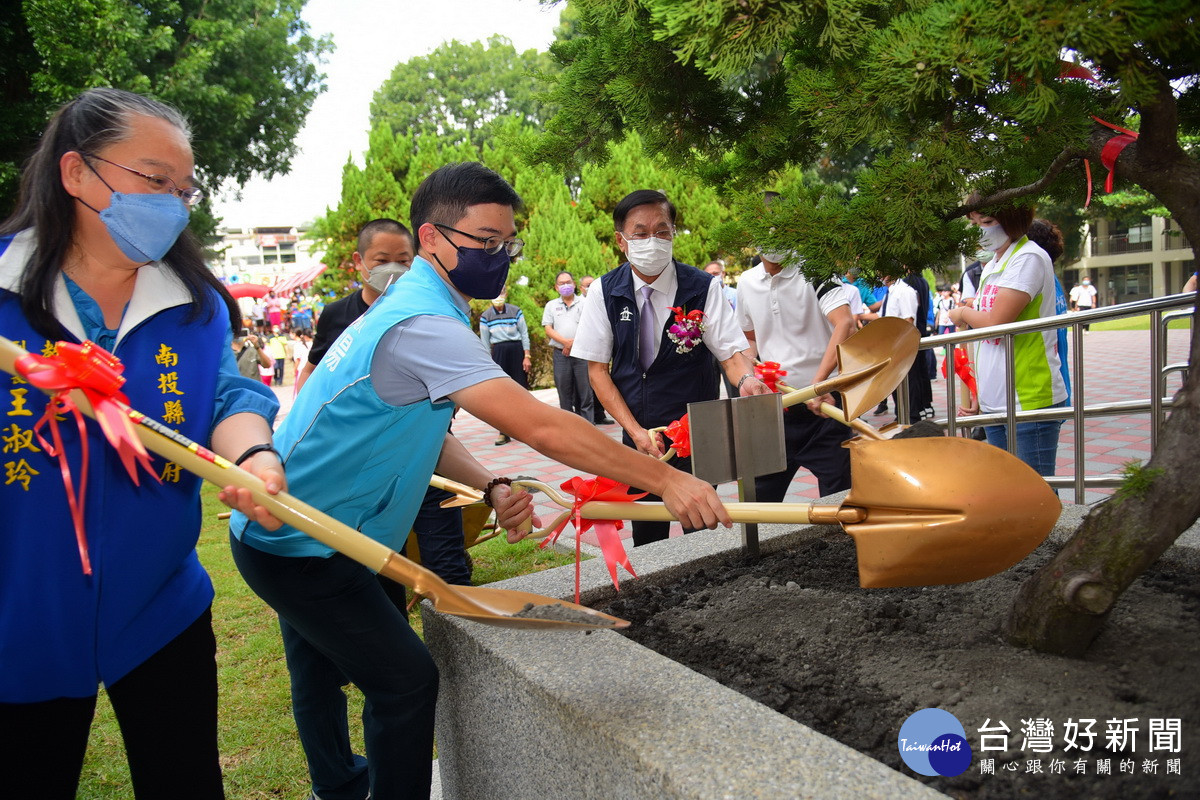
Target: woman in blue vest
(94, 252)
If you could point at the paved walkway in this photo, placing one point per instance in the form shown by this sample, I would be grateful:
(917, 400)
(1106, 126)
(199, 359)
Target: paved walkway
(1116, 367)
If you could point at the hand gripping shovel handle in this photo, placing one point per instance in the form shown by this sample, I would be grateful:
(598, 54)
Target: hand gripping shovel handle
(295, 512)
(833, 412)
(738, 512)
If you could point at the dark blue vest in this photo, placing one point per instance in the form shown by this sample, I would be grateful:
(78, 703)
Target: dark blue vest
(62, 632)
(659, 395)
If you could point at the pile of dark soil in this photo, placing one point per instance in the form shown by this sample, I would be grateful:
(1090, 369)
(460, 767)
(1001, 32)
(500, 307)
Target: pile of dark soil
(795, 632)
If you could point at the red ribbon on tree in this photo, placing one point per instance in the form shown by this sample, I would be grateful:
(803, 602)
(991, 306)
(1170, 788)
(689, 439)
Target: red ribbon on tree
(97, 373)
(585, 491)
(1108, 156)
(962, 368)
(680, 434)
(769, 373)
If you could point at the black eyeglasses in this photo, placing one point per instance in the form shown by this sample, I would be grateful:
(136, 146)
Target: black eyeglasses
(190, 196)
(491, 244)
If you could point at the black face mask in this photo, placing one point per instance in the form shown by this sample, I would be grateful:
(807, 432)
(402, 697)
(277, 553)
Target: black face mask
(478, 274)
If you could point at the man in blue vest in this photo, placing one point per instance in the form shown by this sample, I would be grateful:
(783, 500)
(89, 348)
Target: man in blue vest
(361, 443)
(656, 371)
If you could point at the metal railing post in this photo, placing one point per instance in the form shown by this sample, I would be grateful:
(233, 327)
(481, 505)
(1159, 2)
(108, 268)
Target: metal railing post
(1077, 407)
(1157, 406)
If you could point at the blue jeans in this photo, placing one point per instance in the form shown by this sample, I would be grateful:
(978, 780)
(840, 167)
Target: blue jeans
(340, 624)
(1037, 442)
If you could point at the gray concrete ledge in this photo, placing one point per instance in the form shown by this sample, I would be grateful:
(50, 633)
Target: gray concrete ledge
(593, 715)
(556, 716)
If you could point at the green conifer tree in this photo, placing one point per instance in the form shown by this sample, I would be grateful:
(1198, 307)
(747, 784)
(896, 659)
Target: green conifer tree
(934, 98)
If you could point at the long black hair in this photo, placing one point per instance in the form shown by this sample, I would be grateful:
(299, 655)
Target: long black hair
(93, 120)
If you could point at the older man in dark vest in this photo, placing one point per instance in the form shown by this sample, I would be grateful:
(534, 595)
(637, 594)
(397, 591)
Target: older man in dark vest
(644, 366)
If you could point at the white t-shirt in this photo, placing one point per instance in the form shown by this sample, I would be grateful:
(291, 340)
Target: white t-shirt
(1083, 296)
(854, 299)
(1037, 374)
(722, 336)
(790, 323)
(901, 301)
(968, 289)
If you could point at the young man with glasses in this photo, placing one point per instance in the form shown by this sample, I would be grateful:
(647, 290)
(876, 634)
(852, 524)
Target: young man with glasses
(361, 443)
(626, 323)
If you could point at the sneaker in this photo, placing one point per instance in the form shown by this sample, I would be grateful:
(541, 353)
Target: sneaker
(503, 440)
(881, 408)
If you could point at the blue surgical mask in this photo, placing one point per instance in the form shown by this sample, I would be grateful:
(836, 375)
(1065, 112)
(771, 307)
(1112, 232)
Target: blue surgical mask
(478, 274)
(143, 225)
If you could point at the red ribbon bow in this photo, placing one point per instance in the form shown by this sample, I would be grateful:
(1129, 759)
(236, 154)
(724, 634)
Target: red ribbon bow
(1108, 156)
(769, 373)
(695, 315)
(962, 368)
(586, 490)
(97, 373)
(680, 434)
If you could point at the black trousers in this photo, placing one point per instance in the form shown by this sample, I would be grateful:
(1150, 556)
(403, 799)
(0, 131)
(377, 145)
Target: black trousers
(645, 531)
(571, 381)
(167, 710)
(814, 443)
(510, 355)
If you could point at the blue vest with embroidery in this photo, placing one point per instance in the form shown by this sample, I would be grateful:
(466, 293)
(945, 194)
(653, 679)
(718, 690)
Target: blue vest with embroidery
(63, 632)
(659, 395)
(346, 450)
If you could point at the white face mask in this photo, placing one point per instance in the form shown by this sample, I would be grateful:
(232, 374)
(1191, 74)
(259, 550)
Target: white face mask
(777, 256)
(992, 236)
(651, 256)
(382, 276)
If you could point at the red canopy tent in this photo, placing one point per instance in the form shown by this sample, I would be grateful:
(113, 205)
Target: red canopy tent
(298, 280)
(240, 290)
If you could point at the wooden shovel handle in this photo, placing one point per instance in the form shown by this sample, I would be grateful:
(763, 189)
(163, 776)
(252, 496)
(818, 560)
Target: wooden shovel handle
(865, 429)
(463, 491)
(738, 512)
(374, 555)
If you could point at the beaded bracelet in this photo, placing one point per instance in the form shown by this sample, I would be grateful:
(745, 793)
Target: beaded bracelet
(492, 484)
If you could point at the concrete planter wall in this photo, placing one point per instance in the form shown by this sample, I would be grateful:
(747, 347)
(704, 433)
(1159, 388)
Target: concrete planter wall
(546, 716)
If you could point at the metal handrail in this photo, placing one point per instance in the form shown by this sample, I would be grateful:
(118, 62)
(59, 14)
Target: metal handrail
(1177, 306)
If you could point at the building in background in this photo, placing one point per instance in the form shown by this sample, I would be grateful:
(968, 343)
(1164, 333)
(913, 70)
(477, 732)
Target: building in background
(1126, 262)
(265, 255)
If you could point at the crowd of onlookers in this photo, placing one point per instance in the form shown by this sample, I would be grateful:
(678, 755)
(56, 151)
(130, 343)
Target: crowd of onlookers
(297, 312)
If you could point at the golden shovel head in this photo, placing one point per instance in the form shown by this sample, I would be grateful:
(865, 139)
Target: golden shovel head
(884, 338)
(943, 510)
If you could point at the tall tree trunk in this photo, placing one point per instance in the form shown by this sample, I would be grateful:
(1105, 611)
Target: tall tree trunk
(1064, 606)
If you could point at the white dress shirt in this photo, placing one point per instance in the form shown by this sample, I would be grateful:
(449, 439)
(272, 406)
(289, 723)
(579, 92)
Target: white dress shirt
(722, 336)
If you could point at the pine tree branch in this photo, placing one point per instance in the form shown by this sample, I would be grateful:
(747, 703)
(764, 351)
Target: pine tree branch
(1005, 196)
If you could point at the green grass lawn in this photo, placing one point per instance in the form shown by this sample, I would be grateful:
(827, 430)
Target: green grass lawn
(260, 753)
(1141, 323)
